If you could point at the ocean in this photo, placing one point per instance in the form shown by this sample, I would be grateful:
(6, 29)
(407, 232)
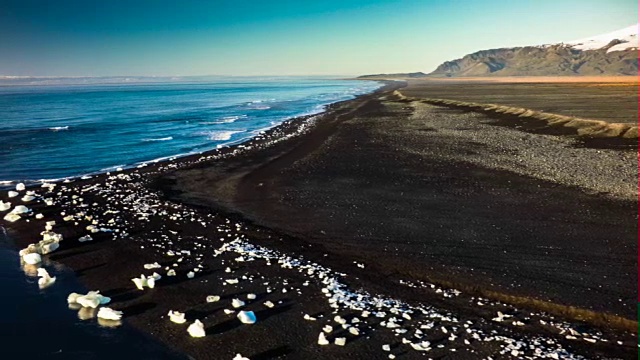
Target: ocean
(58, 131)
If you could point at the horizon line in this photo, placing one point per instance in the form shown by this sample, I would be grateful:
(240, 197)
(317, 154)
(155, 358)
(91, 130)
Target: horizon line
(156, 76)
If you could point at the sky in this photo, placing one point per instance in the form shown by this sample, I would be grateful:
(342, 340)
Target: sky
(281, 37)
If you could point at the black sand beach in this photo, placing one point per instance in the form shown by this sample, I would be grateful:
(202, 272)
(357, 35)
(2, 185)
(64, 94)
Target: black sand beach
(456, 218)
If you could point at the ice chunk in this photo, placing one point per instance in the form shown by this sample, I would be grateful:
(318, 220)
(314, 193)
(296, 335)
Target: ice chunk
(196, 329)
(20, 209)
(322, 340)
(143, 281)
(45, 280)
(339, 319)
(155, 276)
(109, 314)
(236, 303)
(12, 217)
(88, 301)
(177, 317)
(501, 317)
(4, 206)
(85, 238)
(32, 258)
(213, 298)
(47, 247)
(247, 317)
(73, 298)
(423, 346)
(48, 236)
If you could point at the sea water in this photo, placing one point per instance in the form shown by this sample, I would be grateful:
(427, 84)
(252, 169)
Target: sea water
(37, 324)
(57, 131)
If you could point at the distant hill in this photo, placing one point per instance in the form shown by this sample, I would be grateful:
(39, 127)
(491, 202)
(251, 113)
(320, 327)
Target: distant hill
(613, 53)
(391, 76)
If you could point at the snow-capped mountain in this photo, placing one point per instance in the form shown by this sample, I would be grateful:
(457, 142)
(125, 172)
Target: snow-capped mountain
(614, 53)
(626, 38)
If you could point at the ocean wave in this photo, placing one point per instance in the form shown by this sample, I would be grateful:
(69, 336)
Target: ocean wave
(260, 101)
(225, 120)
(159, 139)
(258, 104)
(230, 119)
(52, 180)
(59, 128)
(220, 135)
(170, 157)
(258, 107)
(110, 168)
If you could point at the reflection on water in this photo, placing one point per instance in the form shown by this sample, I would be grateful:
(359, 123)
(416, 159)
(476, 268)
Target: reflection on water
(38, 324)
(86, 313)
(109, 323)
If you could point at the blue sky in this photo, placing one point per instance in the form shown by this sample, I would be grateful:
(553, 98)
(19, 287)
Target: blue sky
(281, 37)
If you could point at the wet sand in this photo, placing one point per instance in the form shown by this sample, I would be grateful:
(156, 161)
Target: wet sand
(398, 197)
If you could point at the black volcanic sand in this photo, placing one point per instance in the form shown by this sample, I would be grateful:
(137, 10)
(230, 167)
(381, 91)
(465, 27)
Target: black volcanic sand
(373, 191)
(358, 195)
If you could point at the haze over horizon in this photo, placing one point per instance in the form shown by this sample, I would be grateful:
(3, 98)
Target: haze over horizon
(351, 37)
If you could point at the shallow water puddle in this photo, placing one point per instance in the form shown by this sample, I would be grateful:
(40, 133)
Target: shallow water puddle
(38, 323)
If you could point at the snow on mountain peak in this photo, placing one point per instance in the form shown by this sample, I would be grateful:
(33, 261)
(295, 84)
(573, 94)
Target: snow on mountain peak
(628, 37)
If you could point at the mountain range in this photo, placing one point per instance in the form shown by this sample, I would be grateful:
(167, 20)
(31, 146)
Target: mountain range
(614, 53)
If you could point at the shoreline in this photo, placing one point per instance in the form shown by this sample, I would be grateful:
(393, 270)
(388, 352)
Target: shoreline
(221, 150)
(129, 191)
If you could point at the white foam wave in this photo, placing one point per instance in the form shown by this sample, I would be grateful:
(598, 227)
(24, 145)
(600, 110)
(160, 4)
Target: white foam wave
(170, 157)
(225, 120)
(220, 135)
(258, 104)
(160, 139)
(261, 107)
(110, 168)
(260, 101)
(52, 180)
(59, 128)
(230, 119)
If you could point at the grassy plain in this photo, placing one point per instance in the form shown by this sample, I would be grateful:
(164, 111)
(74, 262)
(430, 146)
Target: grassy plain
(610, 99)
